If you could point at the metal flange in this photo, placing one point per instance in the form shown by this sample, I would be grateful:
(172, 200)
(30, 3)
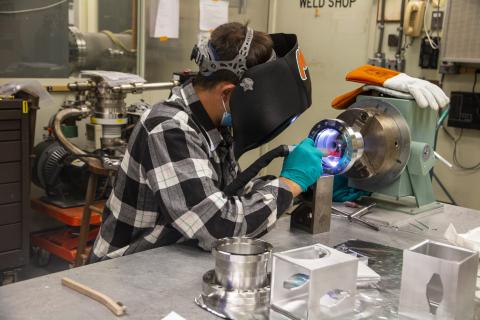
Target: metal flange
(341, 145)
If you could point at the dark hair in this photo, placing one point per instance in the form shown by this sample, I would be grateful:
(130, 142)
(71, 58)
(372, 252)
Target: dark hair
(227, 40)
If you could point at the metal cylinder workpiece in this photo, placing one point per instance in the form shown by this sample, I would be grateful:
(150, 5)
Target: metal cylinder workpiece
(340, 144)
(241, 263)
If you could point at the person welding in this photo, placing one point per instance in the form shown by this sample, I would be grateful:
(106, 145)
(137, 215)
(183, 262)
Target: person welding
(182, 155)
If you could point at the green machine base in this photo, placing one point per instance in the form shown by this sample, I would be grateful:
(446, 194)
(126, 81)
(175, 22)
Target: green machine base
(412, 191)
(405, 204)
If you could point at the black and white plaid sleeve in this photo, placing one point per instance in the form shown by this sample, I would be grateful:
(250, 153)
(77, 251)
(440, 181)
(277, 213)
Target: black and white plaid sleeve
(181, 176)
(167, 190)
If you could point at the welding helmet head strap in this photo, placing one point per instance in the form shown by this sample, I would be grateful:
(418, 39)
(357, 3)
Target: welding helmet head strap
(205, 57)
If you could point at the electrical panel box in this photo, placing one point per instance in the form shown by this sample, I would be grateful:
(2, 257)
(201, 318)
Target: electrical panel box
(393, 40)
(464, 110)
(461, 43)
(428, 55)
(437, 21)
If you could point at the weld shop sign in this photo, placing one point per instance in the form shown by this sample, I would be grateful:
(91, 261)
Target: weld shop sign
(327, 3)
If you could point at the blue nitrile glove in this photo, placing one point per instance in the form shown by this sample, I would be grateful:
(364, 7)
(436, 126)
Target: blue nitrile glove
(342, 192)
(303, 165)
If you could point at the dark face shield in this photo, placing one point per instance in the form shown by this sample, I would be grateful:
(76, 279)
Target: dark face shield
(270, 96)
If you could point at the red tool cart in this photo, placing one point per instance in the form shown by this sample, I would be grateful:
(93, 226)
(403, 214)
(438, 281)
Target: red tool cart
(64, 242)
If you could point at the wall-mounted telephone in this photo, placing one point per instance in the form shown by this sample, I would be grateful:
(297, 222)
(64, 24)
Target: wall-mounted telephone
(413, 23)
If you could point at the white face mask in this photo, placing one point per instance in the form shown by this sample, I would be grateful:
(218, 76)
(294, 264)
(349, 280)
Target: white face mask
(226, 118)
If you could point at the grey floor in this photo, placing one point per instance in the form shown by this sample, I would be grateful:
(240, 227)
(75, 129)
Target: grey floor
(32, 270)
(41, 222)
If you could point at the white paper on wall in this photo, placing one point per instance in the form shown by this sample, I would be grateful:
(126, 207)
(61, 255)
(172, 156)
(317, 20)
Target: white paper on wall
(165, 19)
(213, 13)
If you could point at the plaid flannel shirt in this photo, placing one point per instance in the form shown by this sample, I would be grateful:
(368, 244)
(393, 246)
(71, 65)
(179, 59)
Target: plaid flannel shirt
(169, 185)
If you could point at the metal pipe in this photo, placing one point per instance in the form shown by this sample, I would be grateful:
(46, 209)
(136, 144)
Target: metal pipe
(350, 217)
(159, 85)
(105, 50)
(126, 88)
(80, 86)
(57, 129)
(241, 263)
(382, 30)
(139, 87)
(141, 46)
(242, 7)
(363, 211)
(442, 117)
(442, 159)
(134, 23)
(444, 189)
(400, 30)
(440, 122)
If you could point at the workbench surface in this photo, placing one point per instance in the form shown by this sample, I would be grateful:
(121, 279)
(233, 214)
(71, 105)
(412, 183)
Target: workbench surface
(153, 283)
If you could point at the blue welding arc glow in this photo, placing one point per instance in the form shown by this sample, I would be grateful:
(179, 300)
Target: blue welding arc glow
(293, 119)
(334, 147)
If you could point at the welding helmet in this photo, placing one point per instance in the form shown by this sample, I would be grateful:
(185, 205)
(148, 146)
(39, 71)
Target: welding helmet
(268, 96)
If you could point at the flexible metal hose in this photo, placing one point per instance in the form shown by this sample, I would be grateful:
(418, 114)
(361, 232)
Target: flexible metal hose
(57, 129)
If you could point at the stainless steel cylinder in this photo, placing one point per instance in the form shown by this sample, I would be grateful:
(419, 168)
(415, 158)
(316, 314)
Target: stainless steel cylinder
(241, 263)
(110, 105)
(140, 87)
(340, 144)
(103, 50)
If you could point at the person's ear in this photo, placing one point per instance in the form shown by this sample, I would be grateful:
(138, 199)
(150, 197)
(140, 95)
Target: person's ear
(227, 89)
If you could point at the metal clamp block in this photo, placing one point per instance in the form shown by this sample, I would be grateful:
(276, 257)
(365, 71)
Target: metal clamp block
(438, 282)
(313, 282)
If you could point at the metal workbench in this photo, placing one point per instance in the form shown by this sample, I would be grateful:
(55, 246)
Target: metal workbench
(153, 283)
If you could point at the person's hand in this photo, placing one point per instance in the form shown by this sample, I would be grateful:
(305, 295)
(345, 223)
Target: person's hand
(426, 94)
(342, 192)
(303, 165)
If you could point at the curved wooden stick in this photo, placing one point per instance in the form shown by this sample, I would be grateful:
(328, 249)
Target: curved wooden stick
(116, 307)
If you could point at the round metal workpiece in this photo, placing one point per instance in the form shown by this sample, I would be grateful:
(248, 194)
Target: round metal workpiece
(386, 137)
(233, 304)
(340, 144)
(99, 50)
(241, 263)
(109, 104)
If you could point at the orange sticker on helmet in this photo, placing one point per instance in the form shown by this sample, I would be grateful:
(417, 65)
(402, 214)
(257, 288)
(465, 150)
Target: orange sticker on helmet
(302, 64)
